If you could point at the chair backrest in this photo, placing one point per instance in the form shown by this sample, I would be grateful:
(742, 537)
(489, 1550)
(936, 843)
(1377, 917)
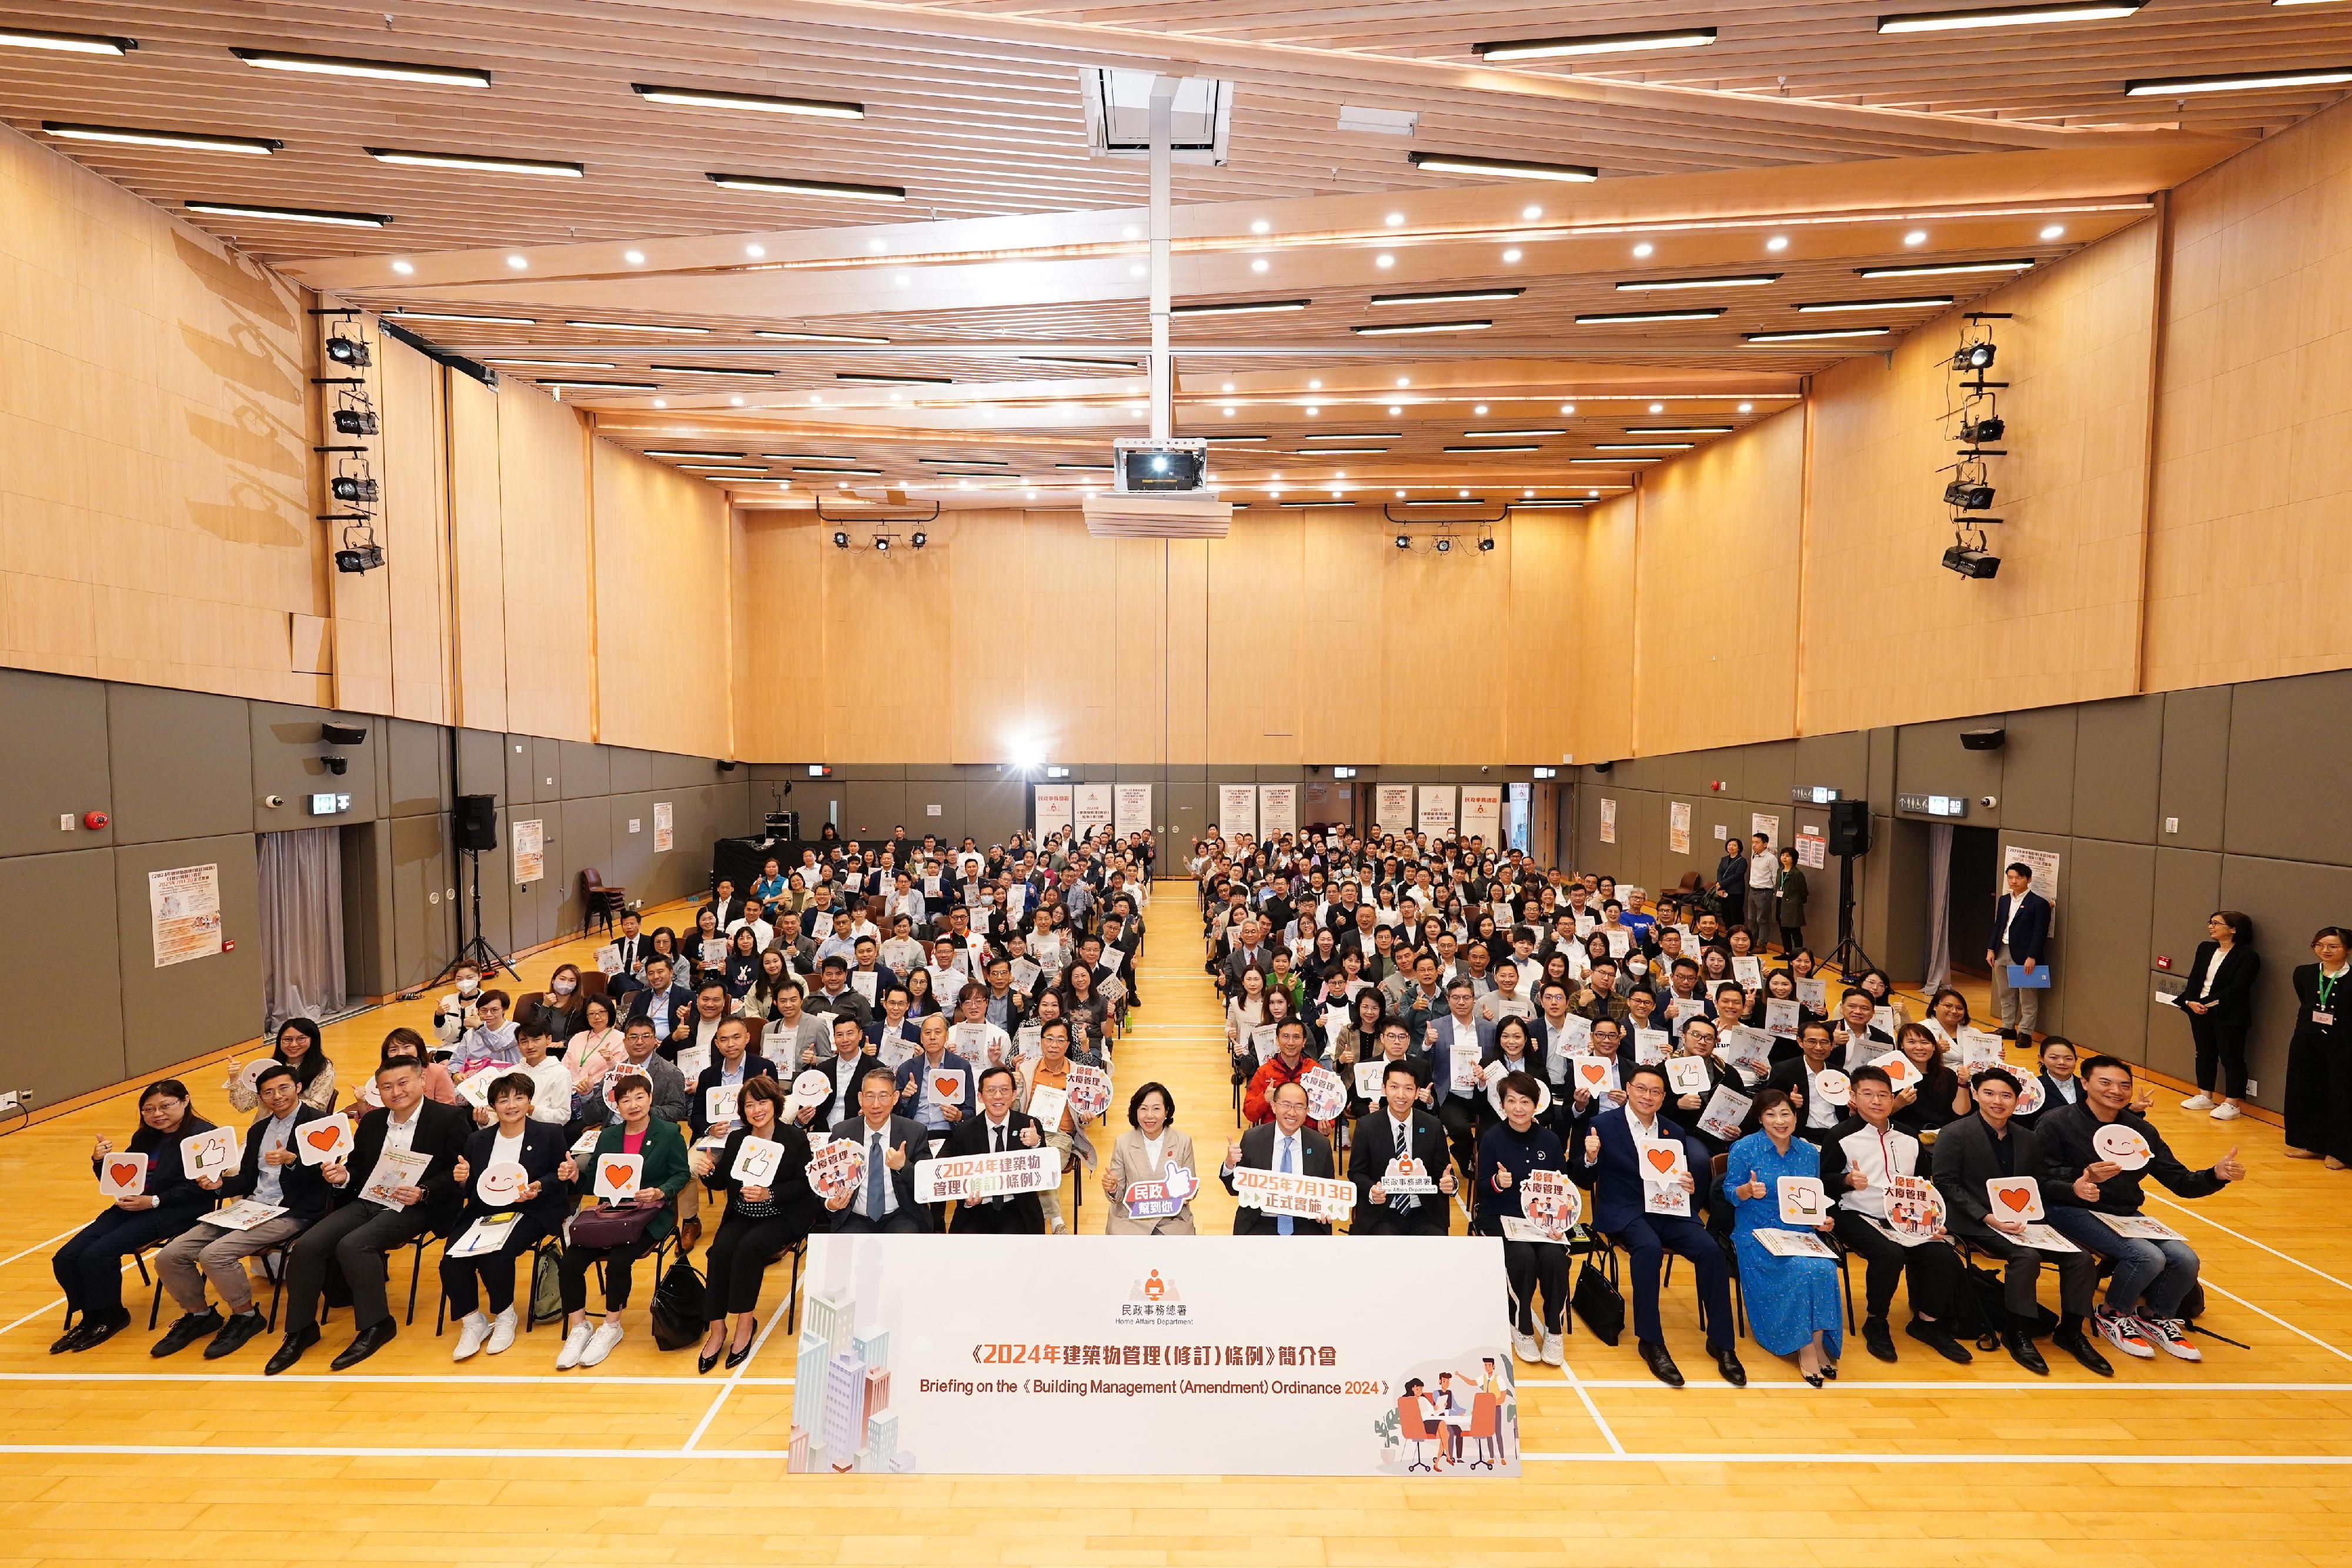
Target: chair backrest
(1715, 1165)
(594, 982)
(1483, 1412)
(1689, 883)
(588, 877)
(1409, 1419)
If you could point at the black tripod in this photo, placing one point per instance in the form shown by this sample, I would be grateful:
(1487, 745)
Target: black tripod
(1847, 957)
(472, 949)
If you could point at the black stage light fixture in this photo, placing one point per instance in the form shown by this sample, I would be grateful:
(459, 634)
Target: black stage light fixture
(347, 488)
(352, 352)
(1444, 545)
(882, 543)
(1402, 542)
(840, 540)
(1486, 544)
(1974, 357)
(354, 422)
(1983, 432)
(1971, 563)
(1968, 494)
(920, 539)
(363, 558)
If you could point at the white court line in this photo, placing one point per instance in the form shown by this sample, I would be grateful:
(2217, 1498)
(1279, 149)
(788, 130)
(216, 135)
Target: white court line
(1811, 1458)
(37, 1246)
(736, 1378)
(1589, 1409)
(295, 1379)
(53, 1303)
(2263, 1246)
(2332, 1349)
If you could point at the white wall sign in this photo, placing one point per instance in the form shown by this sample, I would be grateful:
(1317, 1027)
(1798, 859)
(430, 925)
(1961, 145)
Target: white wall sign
(1237, 809)
(1392, 808)
(1090, 807)
(664, 830)
(183, 911)
(1278, 809)
(1053, 807)
(1608, 821)
(1198, 1359)
(1757, 822)
(1678, 827)
(1482, 811)
(1130, 809)
(530, 852)
(1436, 816)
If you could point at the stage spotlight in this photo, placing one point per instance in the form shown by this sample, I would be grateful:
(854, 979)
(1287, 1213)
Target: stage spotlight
(1983, 432)
(1486, 544)
(349, 352)
(1967, 495)
(365, 557)
(882, 543)
(1402, 542)
(1974, 357)
(347, 488)
(919, 539)
(354, 422)
(1971, 563)
(1445, 546)
(840, 540)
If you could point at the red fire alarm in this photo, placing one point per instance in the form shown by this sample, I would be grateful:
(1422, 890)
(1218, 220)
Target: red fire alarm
(94, 821)
(228, 943)
(2164, 961)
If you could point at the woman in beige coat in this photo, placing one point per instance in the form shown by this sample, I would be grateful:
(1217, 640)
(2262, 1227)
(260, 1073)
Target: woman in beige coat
(1151, 1150)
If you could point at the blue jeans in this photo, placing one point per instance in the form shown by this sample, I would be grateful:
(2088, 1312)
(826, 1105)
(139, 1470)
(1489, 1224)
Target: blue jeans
(2151, 1276)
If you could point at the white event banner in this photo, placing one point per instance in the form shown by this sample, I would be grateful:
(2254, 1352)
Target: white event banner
(530, 852)
(1482, 811)
(1053, 808)
(1090, 804)
(1130, 809)
(1237, 809)
(1195, 1359)
(1392, 809)
(1437, 811)
(1278, 809)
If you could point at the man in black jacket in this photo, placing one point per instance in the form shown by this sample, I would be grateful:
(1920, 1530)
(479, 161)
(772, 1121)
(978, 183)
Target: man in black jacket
(362, 1229)
(1399, 1126)
(998, 1129)
(1970, 1154)
(271, 1173)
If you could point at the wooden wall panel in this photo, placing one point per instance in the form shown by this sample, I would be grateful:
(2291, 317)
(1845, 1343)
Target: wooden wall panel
(2248, 574)
(1187, 622)
(1545, 646)
(1444, 625)
(1891, 637)
(779, 653)
(1716, 649)
(544, 532)
(416, 533)
(663, 664)
(155, 426)
(1137, 635)
(992, 597)
(1255, 589)
(476, 554)
(1602, 691)
(1342, 628)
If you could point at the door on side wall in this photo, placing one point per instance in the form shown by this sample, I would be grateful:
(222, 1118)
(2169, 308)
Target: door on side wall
(303, 960)
(1970, 897)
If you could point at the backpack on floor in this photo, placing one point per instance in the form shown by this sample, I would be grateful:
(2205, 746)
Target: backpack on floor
(678, 1301)
(546, 1289)
(1982, 1310)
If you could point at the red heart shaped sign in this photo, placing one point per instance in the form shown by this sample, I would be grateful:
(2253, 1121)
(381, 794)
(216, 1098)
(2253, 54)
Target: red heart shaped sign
(948, 1086)
(1592, 1072)
(324, 1138)
(122, 1175)
(615, 1175)
(1664, 1159)
(2018, 1199)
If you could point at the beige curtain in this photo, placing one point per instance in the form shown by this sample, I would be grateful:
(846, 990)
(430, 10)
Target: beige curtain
(301, 924)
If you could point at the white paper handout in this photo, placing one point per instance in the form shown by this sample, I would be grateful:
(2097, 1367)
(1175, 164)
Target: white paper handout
(863, 982)
(394, 1168)
(1793, 1243)
(691, 1061)
(1726, 1114)
(243, 1214)
(485, 1236)
(1047, 1103)
(2045, 1238)
(1649, 1047)
(1780, 1018)
(2140, 1228)
(1262, 1041)
(618, 1177)
(1748, 970)
(1814, 992)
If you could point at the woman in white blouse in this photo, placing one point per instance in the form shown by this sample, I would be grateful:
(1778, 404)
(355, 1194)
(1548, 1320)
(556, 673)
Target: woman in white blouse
(1145, 1152)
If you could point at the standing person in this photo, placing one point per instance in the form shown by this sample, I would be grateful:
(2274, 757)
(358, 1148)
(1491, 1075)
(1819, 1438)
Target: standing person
(2319, 1056)
(2219, 1002)
(1793, 1302)
(2020, 935)
(1731, 879)
(90, 1266)
(1789, 903)
(1763, 879)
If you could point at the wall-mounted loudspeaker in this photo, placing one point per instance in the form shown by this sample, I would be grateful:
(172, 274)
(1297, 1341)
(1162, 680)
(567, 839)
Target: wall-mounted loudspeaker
(477, 821)
(1983, 740)
(1849, 827)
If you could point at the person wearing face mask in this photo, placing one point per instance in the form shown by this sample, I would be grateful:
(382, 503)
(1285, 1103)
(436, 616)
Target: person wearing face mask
(560, 1003)
(454, 1015)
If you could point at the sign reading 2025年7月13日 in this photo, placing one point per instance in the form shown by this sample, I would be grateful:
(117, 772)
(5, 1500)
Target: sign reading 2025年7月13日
(1218, 1356)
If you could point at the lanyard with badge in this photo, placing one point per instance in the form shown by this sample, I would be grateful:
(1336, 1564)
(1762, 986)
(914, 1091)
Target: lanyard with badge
(2323, 1006)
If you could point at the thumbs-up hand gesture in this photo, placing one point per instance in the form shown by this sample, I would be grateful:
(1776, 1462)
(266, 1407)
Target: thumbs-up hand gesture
(896, 1158)
(1752, 1188)
(1029, 1137)
(1232, 1154)
(2229, 1167)
(1591, 1146)
(1502, 1178)
(568, 1170)
(2086, 1188)
(461, 1172)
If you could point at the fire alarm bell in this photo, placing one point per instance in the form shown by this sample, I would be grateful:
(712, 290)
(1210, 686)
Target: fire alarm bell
(94, 821)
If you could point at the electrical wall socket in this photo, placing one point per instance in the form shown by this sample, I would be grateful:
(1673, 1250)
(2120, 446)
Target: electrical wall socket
(2252, 1087)
(64, 821)
(7, 1102)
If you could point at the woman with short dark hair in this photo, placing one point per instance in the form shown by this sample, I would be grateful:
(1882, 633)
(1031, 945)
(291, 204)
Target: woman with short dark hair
(1153, 1145)
(90, 1266)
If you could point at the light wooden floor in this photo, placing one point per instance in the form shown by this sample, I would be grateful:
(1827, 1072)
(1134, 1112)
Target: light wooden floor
(113, 1457)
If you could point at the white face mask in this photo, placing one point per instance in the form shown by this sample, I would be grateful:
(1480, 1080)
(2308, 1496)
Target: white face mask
(1637, 965)
(468, 985)
(563, 988)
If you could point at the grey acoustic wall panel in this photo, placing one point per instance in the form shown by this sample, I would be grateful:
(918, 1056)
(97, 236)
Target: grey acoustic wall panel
(62, 776)
(183, 766)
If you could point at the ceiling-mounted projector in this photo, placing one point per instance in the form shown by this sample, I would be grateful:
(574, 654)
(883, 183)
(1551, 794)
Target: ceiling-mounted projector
(1160, 489)
(1161, 465)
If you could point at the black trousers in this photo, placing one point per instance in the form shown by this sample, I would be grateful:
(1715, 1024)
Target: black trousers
(2319, 1093)
(2078, 1276)
(1531, 1266)
(739, 1255)
(1461, 1131)
(90, 1266)
(1934, 1268)
(2221, 1046)
(463, 1280)
(356, 1239)
(619, 1264)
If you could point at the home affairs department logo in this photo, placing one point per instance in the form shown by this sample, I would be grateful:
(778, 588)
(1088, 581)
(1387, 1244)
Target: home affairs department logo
(1153, 1301)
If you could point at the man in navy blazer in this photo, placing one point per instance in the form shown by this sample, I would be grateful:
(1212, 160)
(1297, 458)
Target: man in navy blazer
(1457, 1029)
(2020, 935)
(1608, 1159)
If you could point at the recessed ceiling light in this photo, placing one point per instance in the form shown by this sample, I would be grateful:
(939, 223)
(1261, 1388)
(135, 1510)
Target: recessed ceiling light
(1944, 268)
(1480, 409)
(1776, 244)
(1643, 445)
(1312, 410)
(1396, 408)
(64, 43)
(1678, 430)
(818, 337)
(706, 371)
(1260, 264)
(1394, 219)
(188, 140)
(755, 251)
(2009, 16)
(1567, 408)
(1599, 44)
(633, 257)
(404, 268)
(671, 451)
(1447, 296)
(1644, 251)
(1622, 318)
(1530, 214)
(1744, 408)
(737, 401)
(1814, 334)
(780, 185)
(583, 365)
(599, 386)
(374, 70)
(641, 327)
(404, 315)
(1384, 262)
(1404, 381)
(1916, 236)
(518, 263)
(2055, 231)
(1316, 383)
(1502, 168)
(1512, 253)
(1260, 226)
(706, 98)
(1238, 307)
(1356, 436)
(1662, 284)
(291, 214)
(480, 163)
(1924, 302)
(1657, 408)
(1405, 328)
(1462, 449)
(1228, 411)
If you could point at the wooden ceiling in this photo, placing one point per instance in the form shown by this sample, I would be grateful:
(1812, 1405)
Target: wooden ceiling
(1802, 145)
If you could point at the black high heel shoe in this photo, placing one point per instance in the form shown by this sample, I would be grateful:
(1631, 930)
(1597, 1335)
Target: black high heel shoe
(736, 1358)
(708, 1359)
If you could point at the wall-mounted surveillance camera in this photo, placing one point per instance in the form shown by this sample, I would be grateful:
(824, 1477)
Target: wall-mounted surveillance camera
(335, 764)
(273, 801)
(1987, 802)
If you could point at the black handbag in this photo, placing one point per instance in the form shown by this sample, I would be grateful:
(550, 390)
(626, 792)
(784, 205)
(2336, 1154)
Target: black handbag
(1598, 1302)
(677, 1308)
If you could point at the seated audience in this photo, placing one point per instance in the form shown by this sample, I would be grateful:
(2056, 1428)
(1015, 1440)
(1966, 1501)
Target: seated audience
(1508, 1152)
(1144, 1152)
(1792, 1302)
(1858, 1157)
(90, 1266)
(1403, 1128)
(298, 1049)
(517, 1138)
(1287, 1145)
(765, 1218)
(883, 1199)
(616, 1232)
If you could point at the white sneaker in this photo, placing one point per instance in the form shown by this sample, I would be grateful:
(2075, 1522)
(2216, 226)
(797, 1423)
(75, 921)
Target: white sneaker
(1552, 1353)
(1525, 1347)
(575, 1345)
(2124, 1332)
(2172, 1335)
(2200, 1101)
(2225, 1111)
(1058, 1227)
(503, 1332)
(472, 1330)
(601, 1343)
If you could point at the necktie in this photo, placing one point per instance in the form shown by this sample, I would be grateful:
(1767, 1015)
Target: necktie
(1281, 1225)
(1402, 1135)
(877, 1174)
(1000, 1133)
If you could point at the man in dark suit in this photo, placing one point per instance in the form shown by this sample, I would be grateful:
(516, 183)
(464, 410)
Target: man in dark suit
(1457, 1032)
(668, 1007)
(2020, 935)
(726, 902)
(1610, 1158)
(1975, 1151)
(998, 1129)
(361, 1232)
(1285, 1144)
(884, 1198)
(1799, 1079)
(633, 947)
(846, 1066)
(1401, 1126)
(734, 1064)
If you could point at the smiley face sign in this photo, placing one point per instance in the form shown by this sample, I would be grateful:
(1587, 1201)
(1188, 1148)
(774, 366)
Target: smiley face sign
(2121, 1145)
(500, 1183)
(1833, 1087)
(813, 1087)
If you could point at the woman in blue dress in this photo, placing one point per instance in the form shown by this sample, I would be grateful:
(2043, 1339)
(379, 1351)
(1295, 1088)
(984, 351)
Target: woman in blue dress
(1793, 1302)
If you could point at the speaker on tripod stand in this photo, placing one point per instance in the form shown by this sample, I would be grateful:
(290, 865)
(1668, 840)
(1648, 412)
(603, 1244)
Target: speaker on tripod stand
(1849, 837)
(476, 821)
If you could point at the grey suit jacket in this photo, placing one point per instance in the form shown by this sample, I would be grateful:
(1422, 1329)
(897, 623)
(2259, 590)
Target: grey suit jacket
(1131, 1163)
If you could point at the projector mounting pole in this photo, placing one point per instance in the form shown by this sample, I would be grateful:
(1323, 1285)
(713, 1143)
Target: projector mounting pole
(1163, 378)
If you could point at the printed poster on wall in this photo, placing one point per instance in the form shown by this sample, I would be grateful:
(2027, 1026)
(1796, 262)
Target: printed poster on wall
(183, 911)
(1608, 821)
(1278, 809)
(2045, 875)
(1757, 822)
(1173, 1360)
(1392, 808)
(1813, 848)
(1090, 806)
(1482, 811)
(1437, 817)
(1053, 808)
(530, 852)
(1678, 827)
(664, 831)
(1237, 809)
(1130, 809)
